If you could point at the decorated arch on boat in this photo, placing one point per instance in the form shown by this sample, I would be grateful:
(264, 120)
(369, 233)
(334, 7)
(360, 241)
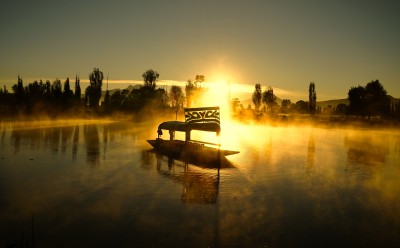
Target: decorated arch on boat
(203, 119)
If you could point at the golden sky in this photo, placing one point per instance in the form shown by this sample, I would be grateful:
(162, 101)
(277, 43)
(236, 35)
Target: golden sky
(283, 44)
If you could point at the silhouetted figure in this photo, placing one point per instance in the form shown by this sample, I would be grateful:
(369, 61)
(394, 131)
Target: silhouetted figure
(171, 135)
(159, 132)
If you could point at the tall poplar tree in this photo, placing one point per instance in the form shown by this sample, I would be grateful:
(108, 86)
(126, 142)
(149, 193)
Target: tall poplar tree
(257, 95)
(312, 97)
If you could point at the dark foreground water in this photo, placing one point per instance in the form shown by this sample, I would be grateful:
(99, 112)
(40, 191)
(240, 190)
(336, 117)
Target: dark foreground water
(91, 184)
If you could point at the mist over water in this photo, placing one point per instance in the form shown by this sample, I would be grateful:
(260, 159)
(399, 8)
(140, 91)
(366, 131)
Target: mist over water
(95, 183)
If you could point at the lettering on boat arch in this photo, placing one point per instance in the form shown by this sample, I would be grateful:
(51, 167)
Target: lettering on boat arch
(202, 115)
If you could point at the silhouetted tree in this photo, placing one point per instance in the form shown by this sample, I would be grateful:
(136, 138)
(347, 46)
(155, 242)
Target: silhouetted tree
(67, 93)
(357, 99)
(116, 100)
(176, 98)
(235, 105)
(161, 98)
(124, 102)
(189, 89)
(199, 79)
(107, 101)
(269, 99)
(301, 107)
(18, 90)
(33, 95)
(369, 101)
(67, 88)
(6, 102)
(78, 92)
(397, 110)
(312, 97)
(194, 90)
(47, 91)
(19, 87)
(378, 102)
(286, 106)
(341, 109)
(150, 78)
(56, 91)
(93, 91)
(257, 95)
(2, 94)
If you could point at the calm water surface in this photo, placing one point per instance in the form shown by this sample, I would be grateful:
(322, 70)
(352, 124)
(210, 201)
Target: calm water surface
(95, 183)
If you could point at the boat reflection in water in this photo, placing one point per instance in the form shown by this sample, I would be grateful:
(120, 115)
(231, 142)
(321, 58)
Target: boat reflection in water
(200, 178)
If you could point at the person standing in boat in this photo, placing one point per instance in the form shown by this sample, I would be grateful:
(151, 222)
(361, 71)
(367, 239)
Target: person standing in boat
(171, 135)
(159, 132)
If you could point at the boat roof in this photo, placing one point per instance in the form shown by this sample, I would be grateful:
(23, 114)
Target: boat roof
(173, 126)
(203, 119)
(183, 126)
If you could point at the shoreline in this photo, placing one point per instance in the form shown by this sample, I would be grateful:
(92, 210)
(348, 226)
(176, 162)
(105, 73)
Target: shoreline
(328, 122)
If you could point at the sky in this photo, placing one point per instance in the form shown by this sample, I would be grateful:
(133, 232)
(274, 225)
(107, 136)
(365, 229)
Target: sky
(282, 44)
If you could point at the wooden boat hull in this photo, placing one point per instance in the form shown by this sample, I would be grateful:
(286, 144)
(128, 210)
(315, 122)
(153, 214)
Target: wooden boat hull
(189, 150)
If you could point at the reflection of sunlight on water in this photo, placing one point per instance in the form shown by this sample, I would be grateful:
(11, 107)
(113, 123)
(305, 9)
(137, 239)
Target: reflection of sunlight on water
(295, 184)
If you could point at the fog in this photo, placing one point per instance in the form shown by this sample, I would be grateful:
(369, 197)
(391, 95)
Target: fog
(290, 185)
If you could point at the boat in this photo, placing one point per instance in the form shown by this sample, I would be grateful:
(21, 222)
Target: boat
(202, 119)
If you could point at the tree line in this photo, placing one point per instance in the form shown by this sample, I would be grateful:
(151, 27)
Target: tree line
(40, 96)
(57, 98)
(265, 103)
(366, 102)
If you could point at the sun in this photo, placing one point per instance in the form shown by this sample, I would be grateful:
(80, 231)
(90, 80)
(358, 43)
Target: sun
(218, 92)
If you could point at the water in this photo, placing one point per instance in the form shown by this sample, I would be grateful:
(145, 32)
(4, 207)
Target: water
(95, 183)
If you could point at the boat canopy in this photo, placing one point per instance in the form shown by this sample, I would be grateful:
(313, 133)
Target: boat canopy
(202, 119)
(181, 126)
(173, 126)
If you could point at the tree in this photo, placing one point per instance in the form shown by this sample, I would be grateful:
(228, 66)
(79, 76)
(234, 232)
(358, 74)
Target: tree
(47, 91)
(6, 103)
(301, 107)
(77, 89)
(93, 91)
(67, 93)
(378, 102)
(397, 110)
(357, 99)
(176, 98)
(116, 100)
(56, 90)
(286, 106)
(18, 90)
(312, 97)
(107, 101)
(235, 105)
(150, 78)
(194, 89)
(189, 89)
(199, 79)
(148, 95)
(341, 109)
(67, 88)
(160, 98)
(257, 97)
(269, 99)
(369, 101)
